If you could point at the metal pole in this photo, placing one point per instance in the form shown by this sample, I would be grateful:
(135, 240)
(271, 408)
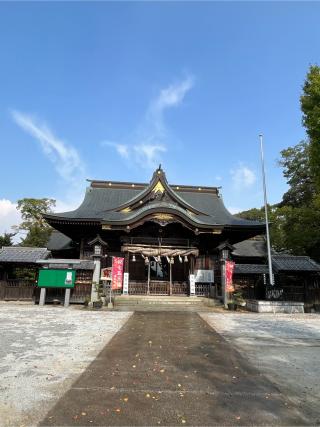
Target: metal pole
(266, 211)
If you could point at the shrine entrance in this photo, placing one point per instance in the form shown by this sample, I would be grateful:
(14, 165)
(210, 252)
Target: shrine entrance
(159, 270)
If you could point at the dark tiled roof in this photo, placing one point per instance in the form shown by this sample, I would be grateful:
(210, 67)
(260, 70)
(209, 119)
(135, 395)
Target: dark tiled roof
(19, 254)
(294, 263)
(250, 248)
(290, 263)
(84, 265)
(102, 204)
(250, 269)
(59, 241)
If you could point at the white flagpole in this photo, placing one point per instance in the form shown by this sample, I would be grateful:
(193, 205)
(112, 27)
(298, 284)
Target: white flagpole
(266, 211)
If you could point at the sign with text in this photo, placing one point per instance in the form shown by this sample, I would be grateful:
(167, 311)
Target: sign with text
(229, 275)
(192, 284)
(204, 276)
(126, 283)
(117, 272)
(56, 278)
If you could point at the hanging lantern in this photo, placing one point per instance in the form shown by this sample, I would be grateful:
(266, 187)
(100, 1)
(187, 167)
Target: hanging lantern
(172, 260)
(180, 259)
(185, 258)
(133, 258)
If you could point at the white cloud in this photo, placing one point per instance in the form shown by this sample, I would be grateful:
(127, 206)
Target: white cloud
(122, 149)
(65, 158)
(9, 216)
(243, 177)
(169, 97)
(151, 137)
(148, 155)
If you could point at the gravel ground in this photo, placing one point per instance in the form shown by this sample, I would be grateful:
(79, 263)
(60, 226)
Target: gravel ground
(43, 350)
(286, 348)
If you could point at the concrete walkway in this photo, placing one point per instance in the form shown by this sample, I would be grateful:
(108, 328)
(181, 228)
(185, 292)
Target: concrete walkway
(171, 369)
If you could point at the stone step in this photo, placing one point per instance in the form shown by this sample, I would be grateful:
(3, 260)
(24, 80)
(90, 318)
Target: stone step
(163, 307)
(123, 300)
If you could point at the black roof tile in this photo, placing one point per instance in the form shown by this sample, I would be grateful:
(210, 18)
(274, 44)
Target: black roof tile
(20, 254)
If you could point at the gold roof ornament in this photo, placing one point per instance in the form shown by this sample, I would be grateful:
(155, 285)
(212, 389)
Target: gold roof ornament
(158, 188)
(163, 217)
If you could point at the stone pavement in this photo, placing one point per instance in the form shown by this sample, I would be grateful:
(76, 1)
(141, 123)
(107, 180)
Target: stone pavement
(166, 368)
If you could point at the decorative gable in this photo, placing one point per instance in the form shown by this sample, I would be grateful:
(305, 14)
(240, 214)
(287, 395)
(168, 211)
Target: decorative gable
(158, 191)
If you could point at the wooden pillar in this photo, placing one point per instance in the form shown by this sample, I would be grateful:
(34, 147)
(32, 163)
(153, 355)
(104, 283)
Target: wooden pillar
(126, 262)
(170, 270)
(148, 290)
(82, 248)
(192, 263)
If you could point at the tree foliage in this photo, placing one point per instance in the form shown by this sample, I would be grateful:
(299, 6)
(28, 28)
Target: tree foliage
(6, 239)
(310, 106)
(295, 221)
(295, 162)
(36, 228)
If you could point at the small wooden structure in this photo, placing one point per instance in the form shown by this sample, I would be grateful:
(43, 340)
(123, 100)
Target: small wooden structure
(18, 272)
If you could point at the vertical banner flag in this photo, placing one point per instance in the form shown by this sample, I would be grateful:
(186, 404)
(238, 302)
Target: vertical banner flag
(117, 272)
(229, 274)
(192, 284)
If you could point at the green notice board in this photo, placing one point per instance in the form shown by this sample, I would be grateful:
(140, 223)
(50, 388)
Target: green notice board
(56, 278)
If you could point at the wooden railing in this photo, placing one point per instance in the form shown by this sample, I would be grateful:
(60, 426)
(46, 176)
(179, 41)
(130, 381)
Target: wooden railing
(16, 289)
(203, 289)
(180, 288)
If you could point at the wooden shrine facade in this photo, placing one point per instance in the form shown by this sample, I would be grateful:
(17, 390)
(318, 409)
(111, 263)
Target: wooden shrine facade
(165, 232)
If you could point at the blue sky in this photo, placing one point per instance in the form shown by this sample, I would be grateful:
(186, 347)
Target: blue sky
(110, 90)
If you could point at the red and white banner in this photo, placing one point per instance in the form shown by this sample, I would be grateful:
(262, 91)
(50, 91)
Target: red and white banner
(229, 274)
(117, 272)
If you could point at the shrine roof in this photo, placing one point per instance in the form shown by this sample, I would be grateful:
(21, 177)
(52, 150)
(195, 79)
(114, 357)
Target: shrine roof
(124, 202)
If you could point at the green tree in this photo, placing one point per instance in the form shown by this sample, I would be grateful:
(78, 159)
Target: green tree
(295, 162)
(33, 225)
(295, 221)
(6, 239)
(277, 220)
(310, 106)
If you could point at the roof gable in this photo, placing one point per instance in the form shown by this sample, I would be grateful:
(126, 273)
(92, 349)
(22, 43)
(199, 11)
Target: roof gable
(157, 191)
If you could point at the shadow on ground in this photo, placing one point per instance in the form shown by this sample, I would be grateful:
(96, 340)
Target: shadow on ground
(166, 368)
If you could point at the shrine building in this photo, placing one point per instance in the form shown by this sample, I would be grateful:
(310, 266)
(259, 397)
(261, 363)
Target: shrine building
(165, 232)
